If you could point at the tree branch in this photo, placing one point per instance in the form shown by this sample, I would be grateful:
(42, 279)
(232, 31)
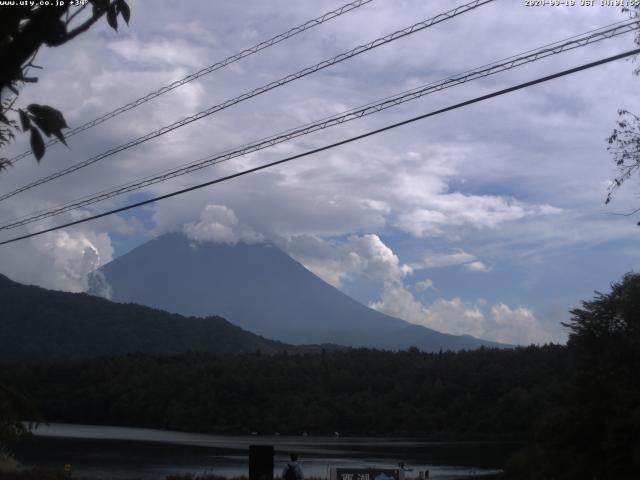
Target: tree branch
(70, 19)
(84, 26)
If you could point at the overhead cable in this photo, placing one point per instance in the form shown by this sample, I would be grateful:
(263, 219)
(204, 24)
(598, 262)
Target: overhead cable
(333, 145)
(353, 114)
(205, 71)
(258, 91)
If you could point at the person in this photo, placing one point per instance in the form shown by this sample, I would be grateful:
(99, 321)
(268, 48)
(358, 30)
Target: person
(292, 471)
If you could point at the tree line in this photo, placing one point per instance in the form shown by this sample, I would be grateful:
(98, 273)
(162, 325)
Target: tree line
(482, 393)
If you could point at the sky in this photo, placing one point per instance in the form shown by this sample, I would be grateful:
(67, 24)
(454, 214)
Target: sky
(488, 220)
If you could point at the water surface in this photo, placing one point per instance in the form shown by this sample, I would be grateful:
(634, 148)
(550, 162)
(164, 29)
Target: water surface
(102, 452)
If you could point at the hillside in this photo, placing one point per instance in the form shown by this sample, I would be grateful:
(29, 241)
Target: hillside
(39, 324)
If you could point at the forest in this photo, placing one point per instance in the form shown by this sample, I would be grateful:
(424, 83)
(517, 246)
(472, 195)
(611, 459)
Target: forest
(470, 394)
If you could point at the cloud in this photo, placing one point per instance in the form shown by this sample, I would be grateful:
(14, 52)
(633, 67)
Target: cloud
(446, 214)
(423, 285)
(364, 256)
(219, 224)
(59, 261)
(477, 266)
(499, 323)
(98, 285)
(515, 323)
(436, 260)
(167, 51)
(456, 258)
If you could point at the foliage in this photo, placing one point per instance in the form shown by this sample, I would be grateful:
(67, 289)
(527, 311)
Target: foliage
(624, 141)
(624, 145)
(485, 393)
(24, 28)
(594, 431)
(13, 408)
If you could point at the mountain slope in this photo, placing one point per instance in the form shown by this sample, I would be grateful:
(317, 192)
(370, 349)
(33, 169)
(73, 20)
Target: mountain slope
(260, 288)
(38, 324)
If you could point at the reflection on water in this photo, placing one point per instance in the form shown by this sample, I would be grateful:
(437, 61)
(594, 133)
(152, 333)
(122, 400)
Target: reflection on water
(124, 453)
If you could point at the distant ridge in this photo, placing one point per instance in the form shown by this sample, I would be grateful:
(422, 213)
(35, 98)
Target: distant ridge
(261, 289)
(44, 325)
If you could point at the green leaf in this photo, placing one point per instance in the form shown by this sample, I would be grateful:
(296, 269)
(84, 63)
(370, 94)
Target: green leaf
(37, 144)
(124, 10)
(24, 120)
(112, 17)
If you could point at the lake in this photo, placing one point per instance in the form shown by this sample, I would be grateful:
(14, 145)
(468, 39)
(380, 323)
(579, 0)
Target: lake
(127, 453)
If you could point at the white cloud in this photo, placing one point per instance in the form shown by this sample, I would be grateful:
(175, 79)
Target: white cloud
(436, 260)
(363, 256)
(369, 256)
(59, 261)
(516, 323)
(445, 214)
(424, 285)
(219, 224)
(99, 285)
(477, 266)
(501, 323)
(456, 258)
(167, 51)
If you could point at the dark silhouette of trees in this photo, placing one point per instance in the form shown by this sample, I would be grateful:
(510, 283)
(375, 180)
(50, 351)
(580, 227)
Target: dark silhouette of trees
(23, 30)
(605, 340)
(593, 428)
(482, 394)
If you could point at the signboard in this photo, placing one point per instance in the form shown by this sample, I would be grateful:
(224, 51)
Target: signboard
(366, 474)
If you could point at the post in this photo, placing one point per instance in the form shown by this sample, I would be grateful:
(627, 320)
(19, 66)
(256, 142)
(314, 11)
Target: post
(260, 462)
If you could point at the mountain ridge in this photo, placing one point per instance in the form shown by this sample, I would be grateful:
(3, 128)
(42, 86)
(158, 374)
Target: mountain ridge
(46, 325)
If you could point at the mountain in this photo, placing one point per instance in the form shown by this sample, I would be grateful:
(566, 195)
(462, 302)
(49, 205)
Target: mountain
(261, 289)
(38, 324)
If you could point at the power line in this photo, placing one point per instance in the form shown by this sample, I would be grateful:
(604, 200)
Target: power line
(270, 86)
(333, 145)
(530, 56)
(205, 71)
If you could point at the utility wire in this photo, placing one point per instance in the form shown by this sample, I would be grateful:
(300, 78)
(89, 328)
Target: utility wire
(270, 86)
(333, 145)
(496, 67)
(205, 71)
